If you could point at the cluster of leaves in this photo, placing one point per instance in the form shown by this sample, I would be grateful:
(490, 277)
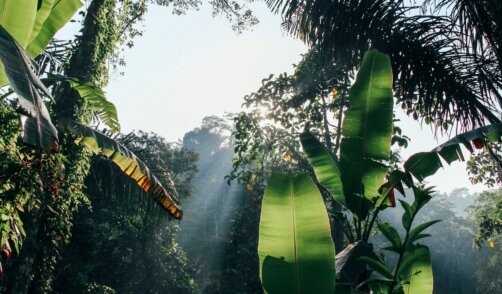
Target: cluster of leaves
(486, 166)
(124, 243)
(445, 54)
(412, 270)
(486, 214)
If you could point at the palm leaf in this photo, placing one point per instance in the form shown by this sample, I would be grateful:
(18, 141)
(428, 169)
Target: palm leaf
(325, 166)
(128, 162)
(37, 127)
(295, 246)
(433, 78)
(367, 131)
(424, 164)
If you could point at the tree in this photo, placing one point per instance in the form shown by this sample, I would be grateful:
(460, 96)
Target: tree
(105, 23)
(444, 71)
(486, 214)
(356, 179)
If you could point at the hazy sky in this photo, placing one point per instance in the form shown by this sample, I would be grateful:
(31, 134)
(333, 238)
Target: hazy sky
(187, 67)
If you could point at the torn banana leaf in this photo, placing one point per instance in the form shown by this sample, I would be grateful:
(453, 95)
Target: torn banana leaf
(424, 164)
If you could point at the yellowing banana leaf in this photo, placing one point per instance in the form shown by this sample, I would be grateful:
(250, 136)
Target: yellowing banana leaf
(367, 131)
(128, 162)
(104, 109)
(37, 127)
(418, 271)
(424, 164)
(295, 247)
(325, 166)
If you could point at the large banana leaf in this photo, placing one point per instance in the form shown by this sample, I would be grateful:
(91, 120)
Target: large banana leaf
(367, 131)
(418, 271)
(51, 17)
(295, 247)
(104, 109)
(424, 164)
(33, 27)
(18, 18)
(128, 162)
(325, 166)
(37, 127)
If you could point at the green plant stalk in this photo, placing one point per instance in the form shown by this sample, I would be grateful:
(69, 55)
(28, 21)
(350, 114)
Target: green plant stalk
(403, 249)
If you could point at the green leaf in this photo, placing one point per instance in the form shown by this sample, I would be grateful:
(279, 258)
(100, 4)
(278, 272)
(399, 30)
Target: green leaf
(31, 28)
(295, 246)
(367, 131)
(391, 234)
(415, 233)
(417, 269)
(98, 103)
(51, 17)
(325, 166)
(379, 286)
(348, 265)
(37, 127)
(377, 266)
(127, 161)
(18, 18)
(424, 164)
(407, 215)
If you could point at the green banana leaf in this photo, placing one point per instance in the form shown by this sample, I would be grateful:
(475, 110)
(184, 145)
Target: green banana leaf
(18, 18)
(325, 166)
(37, 127)
(367, 131)
(104, 109)
(51, 17)
(417, 269)
(424, 164)
(295, 247)
(31, 27)
(100, 144)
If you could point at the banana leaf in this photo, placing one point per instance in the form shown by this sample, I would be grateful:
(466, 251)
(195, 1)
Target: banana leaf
(295, 247)
(367, 131)
(100, 144)
(37, 127)
(325, 166)
(51, 17)
(33, 27)
(104, 109)
(417, 269)
(424, 164)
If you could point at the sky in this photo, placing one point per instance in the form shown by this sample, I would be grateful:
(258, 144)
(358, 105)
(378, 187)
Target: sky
(187, 67)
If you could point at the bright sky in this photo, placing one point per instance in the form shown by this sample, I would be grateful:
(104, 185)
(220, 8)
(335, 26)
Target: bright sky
(187, 67)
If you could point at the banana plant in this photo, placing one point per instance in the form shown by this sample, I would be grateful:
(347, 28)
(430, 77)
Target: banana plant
(359, 179)
(38, 129)
(26, 28)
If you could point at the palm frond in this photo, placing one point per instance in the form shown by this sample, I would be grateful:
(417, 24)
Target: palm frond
(434, 78)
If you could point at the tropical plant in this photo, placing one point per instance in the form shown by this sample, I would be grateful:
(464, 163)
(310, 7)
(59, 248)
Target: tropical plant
(486, 214)
(486, 166)
(445, 54)
(355, 179)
